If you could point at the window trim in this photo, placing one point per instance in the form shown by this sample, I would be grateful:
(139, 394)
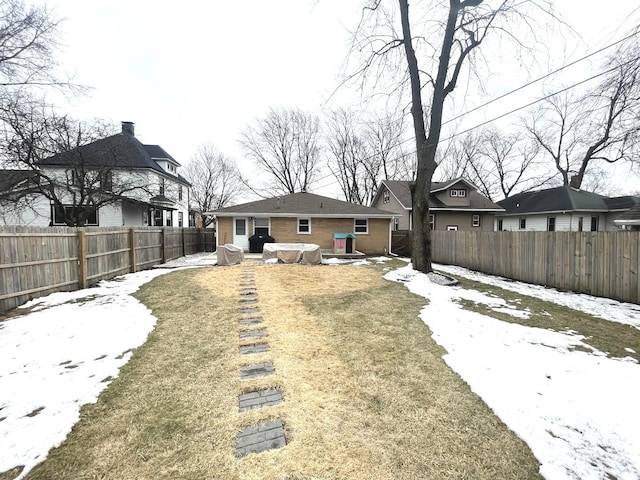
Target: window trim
(302, 232)
(595, 219)
(522, 223)
(268, 226)
(356, 226)
(452, 228)
(458, 192)
(432, 221)
(475, 220)
(88, 224)
(551, 224)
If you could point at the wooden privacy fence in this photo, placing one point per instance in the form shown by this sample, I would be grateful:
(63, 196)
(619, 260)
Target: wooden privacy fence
(37, 261)
(604, 264)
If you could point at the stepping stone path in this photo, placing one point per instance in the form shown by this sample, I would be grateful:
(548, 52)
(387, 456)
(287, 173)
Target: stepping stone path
(261, 437)
(258, 333)
(261, 398)
(257, 370)
(255, 348)
(267, 435)
(250, 321)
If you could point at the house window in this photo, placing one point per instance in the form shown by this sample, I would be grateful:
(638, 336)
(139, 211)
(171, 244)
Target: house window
(386, 197)
(500, 228)
(361, 225)
(595, 221)
(460, 192)
(261, 226)
(241, 226)
(551, 224)
(59, 214)
(180, 192)
(169, 215)
(162, 186)
(523, 224)
(475, 221)
(432, 222)
(106, 181)
(180, 220)
(304, 225)
(452, 228)
(76, 178)
(580, 224)
(157, 217)
(396, 223)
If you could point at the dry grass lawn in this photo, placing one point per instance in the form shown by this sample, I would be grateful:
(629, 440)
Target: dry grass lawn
(366, 392)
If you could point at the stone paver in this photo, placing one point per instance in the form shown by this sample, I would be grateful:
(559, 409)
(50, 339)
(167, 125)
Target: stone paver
(249, 310)
(248, 301)
(250, 321)
(257, 370)
(255, 348)
(258, 333)
(259, 399)
(261, 437)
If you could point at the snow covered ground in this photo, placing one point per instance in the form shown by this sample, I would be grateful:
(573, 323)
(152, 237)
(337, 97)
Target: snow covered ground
(577, 410)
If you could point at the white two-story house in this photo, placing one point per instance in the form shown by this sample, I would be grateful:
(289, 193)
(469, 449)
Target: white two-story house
(116, 180)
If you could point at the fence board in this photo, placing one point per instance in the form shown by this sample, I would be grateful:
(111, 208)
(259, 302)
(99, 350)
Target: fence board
(605, 264)
(37, 261)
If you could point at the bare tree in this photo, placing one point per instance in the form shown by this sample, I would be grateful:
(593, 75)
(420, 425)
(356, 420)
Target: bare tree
(452, 35)
(351, 160)
(385, 133)
(28, 41)
(498, 163)
(215, 181)
(285, 145)
(602, 124)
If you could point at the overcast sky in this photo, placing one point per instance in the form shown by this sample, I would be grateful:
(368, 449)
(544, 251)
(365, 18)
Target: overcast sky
(192, 72)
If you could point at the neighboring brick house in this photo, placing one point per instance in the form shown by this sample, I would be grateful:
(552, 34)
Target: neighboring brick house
(453, 205)
(565, 209)
(305, 218)
(150, 191)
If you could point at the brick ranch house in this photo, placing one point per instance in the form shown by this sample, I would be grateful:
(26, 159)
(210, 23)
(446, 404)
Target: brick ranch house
(305, 218)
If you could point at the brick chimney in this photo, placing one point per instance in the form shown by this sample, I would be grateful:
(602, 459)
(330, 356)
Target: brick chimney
(573, 182)
(128, 129)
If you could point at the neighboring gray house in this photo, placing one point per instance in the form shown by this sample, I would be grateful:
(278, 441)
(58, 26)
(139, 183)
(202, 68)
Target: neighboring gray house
(150, 191)
(565, 209)
(453, 205)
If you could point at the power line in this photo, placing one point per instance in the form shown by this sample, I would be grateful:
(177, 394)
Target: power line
(522, 87)
(606, 47)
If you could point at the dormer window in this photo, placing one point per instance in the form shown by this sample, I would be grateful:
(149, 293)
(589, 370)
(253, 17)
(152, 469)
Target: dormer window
(385, 196)
(458, 192)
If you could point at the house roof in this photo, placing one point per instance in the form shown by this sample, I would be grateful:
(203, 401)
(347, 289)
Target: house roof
(630, 217)
(159, 153)
(117, 151)
(402, 192)
(559, 199)
(301, 204)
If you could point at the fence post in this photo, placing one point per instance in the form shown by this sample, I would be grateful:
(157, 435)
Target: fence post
(163, 240)
(82, 259)
(132, 250)
(184, 243)
(199, 236)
